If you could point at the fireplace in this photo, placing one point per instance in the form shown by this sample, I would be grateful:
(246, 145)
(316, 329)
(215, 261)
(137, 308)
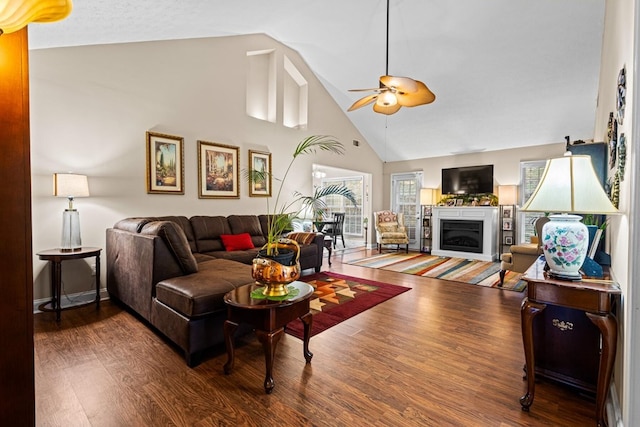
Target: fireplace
(461, 235)
(465, 232)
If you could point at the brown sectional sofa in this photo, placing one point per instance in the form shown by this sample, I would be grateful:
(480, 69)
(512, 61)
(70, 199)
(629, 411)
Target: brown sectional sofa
(174, 271)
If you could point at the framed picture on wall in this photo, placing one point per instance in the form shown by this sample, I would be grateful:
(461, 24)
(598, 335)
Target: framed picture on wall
(165, 164)
(508, 240)
(260, 172)
(506, 213)
(218, 171)
(507, 223)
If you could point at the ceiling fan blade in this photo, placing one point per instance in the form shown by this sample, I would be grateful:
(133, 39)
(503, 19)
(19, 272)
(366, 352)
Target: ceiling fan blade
(388, 110)
(404, 84)
(422, 96)
(363, 101)
(373, 89)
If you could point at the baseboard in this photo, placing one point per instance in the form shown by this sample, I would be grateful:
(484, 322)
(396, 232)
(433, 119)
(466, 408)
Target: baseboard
(72, 300)
(614, 414)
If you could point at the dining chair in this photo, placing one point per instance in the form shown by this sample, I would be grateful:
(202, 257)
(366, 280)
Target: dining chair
(335, 229)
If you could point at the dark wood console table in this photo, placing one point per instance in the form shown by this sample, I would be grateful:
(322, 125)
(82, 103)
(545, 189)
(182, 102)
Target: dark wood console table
(595, 297)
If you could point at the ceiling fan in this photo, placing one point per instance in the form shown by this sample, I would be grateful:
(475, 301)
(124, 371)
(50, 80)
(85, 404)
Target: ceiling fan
(394, 92)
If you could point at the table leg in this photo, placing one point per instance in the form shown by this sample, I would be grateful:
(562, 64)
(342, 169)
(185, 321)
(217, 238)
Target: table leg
(307, 321)
(528, 311)
(269, 342)
(229, 329)
(56, 277)
(609, 329)
(98, 281)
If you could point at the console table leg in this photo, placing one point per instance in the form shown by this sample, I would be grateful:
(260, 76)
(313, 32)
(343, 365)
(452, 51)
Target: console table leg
(269, 342)
(528, 311)
(229, 329)
(307, 321)
(609, 329)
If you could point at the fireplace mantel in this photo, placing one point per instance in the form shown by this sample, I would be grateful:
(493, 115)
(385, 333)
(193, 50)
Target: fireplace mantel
(489, 217)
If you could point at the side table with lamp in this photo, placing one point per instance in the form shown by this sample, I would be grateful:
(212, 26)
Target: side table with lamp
(69, 185)
(569, 186)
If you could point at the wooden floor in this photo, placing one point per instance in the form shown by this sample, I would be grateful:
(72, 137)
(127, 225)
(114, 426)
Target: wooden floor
(442, 354)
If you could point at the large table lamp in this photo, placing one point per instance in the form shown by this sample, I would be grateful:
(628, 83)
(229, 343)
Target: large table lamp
(70, 185)
(569, 186)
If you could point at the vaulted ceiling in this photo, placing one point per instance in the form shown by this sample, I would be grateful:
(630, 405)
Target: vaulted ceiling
(506, 73)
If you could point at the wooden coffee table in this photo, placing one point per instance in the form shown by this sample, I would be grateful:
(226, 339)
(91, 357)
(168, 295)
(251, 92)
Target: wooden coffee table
(268, 317)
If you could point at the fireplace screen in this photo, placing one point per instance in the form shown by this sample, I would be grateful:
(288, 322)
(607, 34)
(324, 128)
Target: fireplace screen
(461, 235)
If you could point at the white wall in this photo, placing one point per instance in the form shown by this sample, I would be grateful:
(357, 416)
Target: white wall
(619, 44)
(91, 107)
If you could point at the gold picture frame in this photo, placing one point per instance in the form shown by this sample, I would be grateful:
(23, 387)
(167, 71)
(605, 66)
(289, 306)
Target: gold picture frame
(218, 171)
(165, 163)
(260, 161)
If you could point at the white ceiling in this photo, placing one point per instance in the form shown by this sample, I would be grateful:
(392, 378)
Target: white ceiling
(506, 73)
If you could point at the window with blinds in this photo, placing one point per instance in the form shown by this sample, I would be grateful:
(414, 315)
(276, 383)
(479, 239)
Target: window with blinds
(530, 175)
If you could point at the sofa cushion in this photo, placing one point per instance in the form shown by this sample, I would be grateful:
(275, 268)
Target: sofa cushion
(248, 224)
(185, 224)
(133, 225)
(237, 242)
(176, 241)
(202, 293)
(303, 238)
(207, 231)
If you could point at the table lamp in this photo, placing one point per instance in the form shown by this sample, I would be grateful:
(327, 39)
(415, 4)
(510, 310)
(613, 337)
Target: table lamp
(569, 185)
(508, 194)
(427, 196)
(70, 185)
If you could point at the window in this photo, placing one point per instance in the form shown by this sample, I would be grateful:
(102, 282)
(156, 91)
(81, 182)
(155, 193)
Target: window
(405, 198)
(261, 85)
(530, 175)
(353, 214)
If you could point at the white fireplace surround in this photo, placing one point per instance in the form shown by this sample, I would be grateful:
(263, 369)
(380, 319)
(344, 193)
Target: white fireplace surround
(489, 217)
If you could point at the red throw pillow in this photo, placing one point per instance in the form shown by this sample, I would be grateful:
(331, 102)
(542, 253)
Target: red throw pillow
(237, 242)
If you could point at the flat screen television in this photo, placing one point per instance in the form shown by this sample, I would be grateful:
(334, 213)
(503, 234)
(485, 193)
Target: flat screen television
(468, 180)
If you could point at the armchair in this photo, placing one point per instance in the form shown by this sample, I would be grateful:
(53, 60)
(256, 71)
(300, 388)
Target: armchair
(520, 257)
(390, 229)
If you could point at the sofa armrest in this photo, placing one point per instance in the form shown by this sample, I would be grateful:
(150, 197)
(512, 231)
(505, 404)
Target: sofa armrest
(135, 264)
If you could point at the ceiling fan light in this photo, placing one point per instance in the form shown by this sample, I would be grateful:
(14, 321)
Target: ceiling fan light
(387, 99)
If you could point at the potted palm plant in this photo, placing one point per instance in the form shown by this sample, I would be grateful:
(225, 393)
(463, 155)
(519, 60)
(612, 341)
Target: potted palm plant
(281, 213)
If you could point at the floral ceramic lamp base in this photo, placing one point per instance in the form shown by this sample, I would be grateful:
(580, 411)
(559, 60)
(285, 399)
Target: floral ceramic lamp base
(565, 242)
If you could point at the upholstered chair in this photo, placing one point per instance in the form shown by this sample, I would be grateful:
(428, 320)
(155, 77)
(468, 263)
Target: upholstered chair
(390, 229)
(520, 257)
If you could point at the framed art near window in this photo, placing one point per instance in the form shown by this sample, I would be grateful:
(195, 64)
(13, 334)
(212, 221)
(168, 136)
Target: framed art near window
(508, 240)
(260, 171)
(218, 171)
(165, 164)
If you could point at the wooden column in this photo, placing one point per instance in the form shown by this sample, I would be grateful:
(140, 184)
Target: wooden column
(17, 405)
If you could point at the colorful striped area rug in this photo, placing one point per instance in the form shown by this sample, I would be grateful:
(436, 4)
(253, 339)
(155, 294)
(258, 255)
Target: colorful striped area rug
(474, 272)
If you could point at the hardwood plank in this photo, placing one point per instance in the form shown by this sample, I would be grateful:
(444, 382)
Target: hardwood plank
(441, 354)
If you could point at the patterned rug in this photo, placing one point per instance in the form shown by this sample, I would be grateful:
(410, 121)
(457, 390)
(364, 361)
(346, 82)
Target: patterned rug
(339, 297)
(474, 272)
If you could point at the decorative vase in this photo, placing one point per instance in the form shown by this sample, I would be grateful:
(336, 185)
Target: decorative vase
(275, 275)
(565, 241)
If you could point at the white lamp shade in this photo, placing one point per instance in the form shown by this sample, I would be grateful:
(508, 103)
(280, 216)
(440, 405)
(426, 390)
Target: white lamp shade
(508, 194)
(16, 14)
(70, 185)
(569, 185)
(427, 196)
